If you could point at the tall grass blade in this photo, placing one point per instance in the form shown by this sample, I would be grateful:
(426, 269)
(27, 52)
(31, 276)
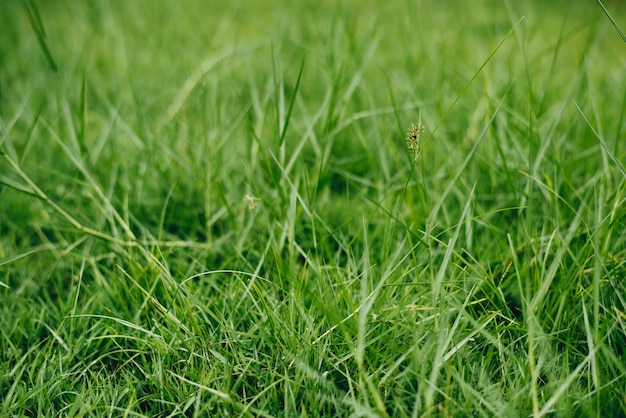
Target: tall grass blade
(471, 80)
(617, 28)
(35, 21)
(291, 103)
(599, 137)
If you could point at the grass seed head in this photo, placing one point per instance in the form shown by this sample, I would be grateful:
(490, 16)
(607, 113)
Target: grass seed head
(251, 201)
(413, 139)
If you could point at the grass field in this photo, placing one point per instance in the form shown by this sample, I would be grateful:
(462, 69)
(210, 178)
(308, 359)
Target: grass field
(210, 209)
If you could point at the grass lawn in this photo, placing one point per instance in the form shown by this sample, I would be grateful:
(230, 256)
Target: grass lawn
(360, 208)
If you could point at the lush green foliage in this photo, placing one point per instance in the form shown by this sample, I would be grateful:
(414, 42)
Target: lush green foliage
(209, 208)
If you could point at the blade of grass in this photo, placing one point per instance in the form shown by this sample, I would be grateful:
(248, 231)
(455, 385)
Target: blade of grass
(194, 78)
(471, 80)
(6, 142)
(35, 21)
(549, 275)
(445, 335)
(465, 162)
(561, 390)
(368, 301)
(599, 138)
(283, 131)
(82, 108)
(617, 28)
(450, 249)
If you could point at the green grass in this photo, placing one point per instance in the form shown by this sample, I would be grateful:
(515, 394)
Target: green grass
(209, 209)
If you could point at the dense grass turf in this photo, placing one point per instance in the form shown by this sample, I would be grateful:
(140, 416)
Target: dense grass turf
(209, 208)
